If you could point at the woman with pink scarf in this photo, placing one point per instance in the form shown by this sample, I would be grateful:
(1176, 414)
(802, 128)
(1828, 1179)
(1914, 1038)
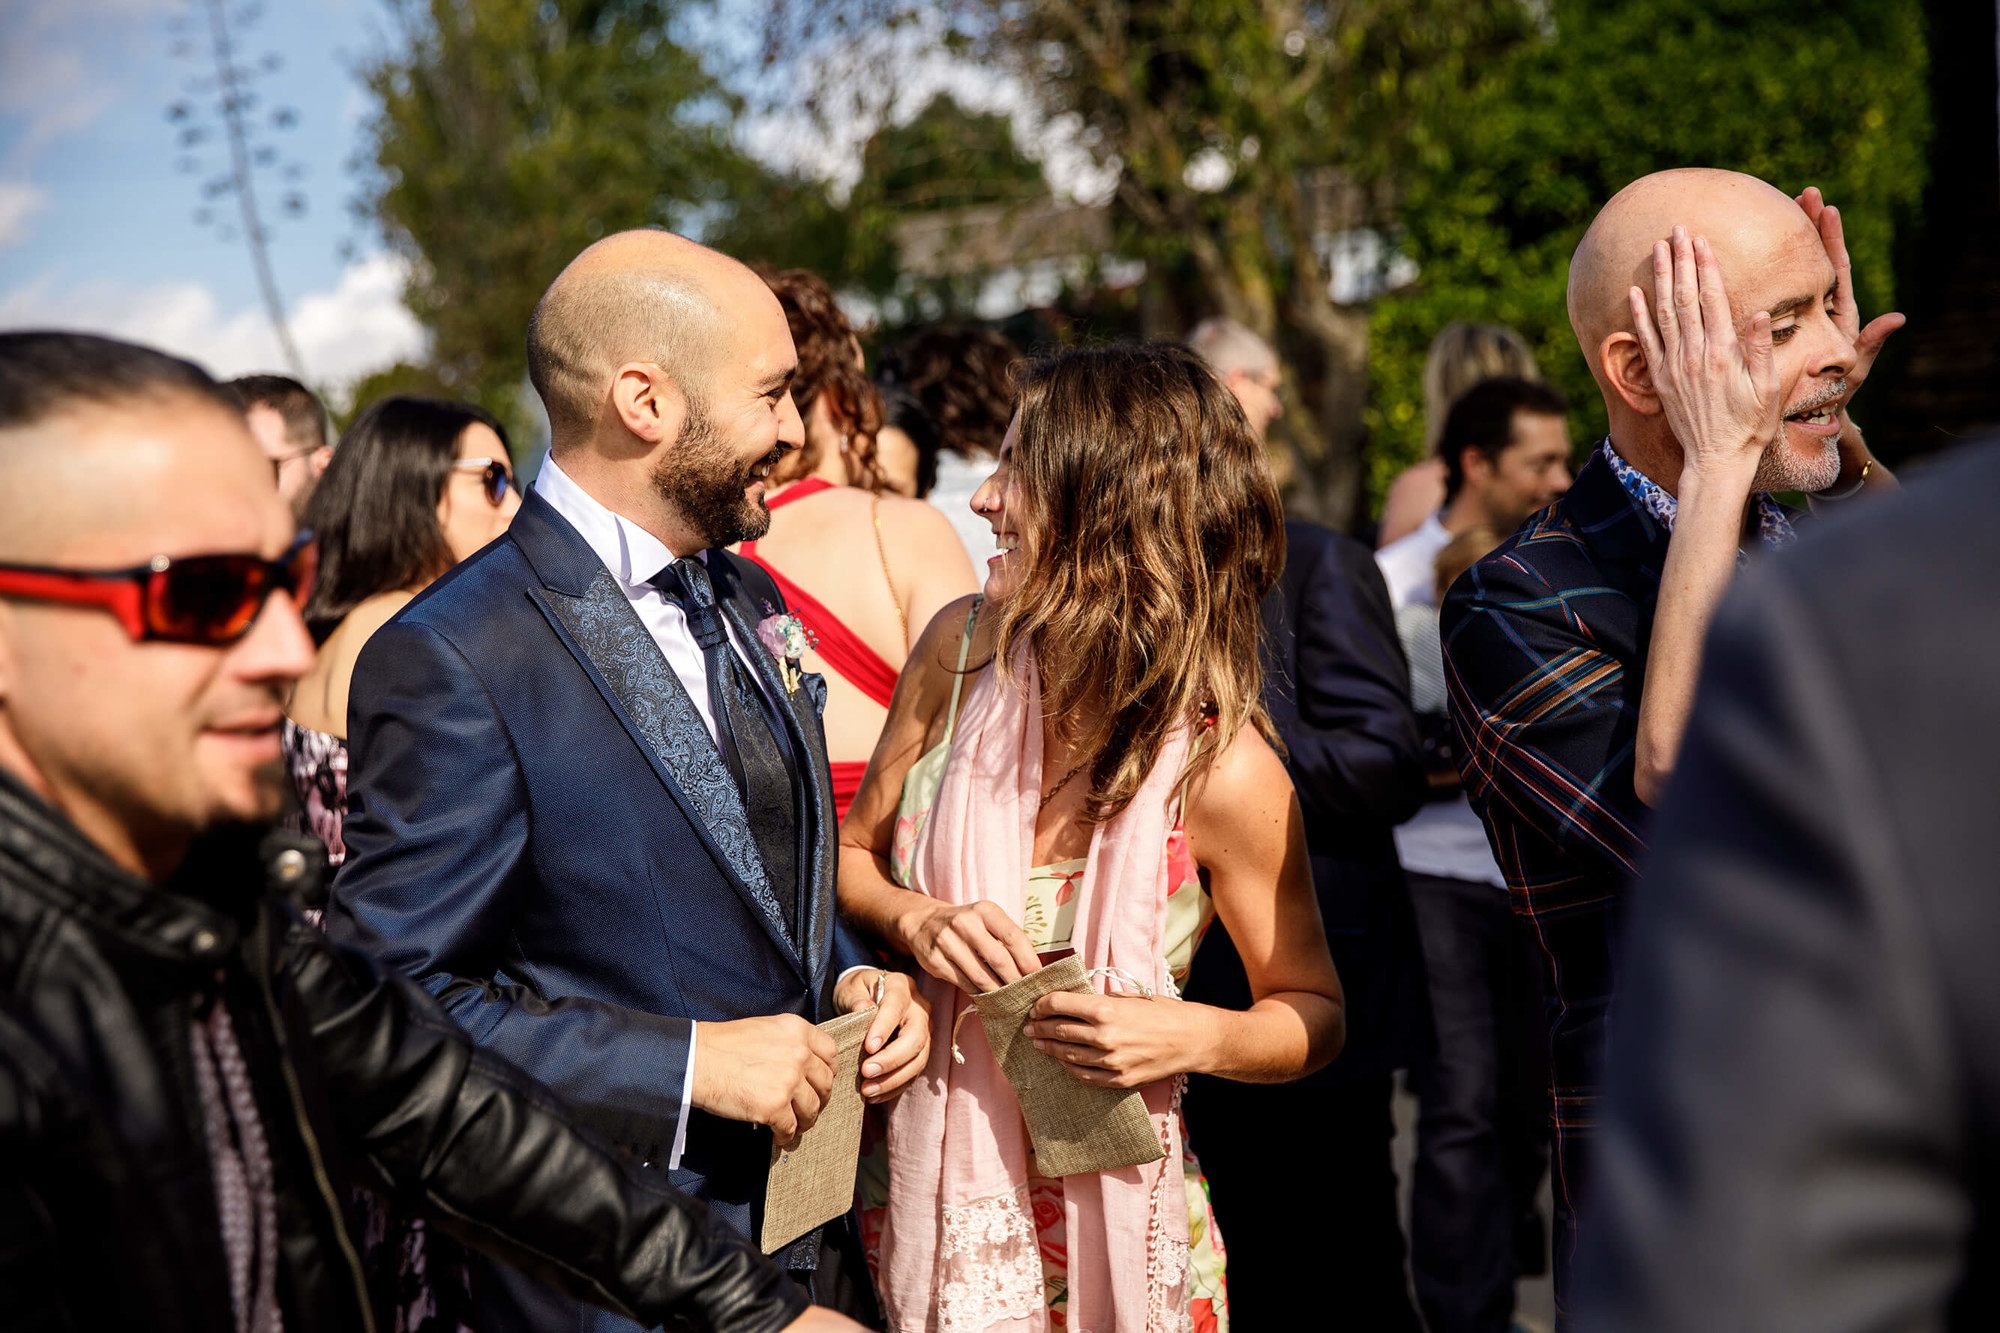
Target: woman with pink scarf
(1079, 762)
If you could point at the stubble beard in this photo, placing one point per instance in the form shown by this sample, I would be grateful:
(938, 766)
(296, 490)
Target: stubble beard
(707, 484)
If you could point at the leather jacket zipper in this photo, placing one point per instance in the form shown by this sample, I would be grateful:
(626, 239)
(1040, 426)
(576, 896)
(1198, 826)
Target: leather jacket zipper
(311, 1140)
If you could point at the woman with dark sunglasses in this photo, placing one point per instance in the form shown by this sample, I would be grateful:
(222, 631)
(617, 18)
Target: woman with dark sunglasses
(416, 485)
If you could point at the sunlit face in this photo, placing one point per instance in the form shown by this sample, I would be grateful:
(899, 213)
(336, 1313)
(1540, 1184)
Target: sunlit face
(738, 428)
(160, 740)
(466, 511)
(998, 500)
(1786, 271)
(1257, 392)
(1527, 475)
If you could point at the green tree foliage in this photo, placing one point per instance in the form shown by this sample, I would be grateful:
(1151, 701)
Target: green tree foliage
(943, 158)
(1510, 171)
(509, 134)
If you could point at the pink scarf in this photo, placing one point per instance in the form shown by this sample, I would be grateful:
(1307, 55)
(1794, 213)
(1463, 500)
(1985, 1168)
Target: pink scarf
(959, 1248)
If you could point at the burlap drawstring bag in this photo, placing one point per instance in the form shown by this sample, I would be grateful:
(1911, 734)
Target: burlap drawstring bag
(812, 1182)
(1074, 1126)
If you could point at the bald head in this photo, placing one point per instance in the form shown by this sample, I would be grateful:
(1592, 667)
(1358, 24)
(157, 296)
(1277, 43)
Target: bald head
(647, 296)
(1750, 224)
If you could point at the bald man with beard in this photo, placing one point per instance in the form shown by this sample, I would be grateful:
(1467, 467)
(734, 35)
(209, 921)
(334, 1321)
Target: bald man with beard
(589, 808)
(1718, 318)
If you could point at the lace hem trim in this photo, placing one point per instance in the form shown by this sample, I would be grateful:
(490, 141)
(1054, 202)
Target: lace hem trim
(989, 1265)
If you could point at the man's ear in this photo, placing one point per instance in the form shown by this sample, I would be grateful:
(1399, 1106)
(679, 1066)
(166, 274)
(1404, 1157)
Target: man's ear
(1622, 362)
(648, 403)
(1474, 466)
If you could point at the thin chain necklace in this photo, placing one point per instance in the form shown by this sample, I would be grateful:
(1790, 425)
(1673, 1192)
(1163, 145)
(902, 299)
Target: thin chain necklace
(1050, 795)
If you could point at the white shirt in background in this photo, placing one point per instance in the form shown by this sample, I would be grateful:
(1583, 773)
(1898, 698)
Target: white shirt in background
(1409, 564)
(957, 479)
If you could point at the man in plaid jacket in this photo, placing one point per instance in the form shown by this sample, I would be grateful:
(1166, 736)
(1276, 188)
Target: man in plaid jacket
(1718, 319)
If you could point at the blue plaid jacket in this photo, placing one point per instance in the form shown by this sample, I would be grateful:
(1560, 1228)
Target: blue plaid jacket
(1545, 658)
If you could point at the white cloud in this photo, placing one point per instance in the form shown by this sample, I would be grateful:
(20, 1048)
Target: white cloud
(19, 201)
(357, 327)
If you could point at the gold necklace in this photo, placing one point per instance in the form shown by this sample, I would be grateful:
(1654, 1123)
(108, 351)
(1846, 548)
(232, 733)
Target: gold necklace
(1064, 782)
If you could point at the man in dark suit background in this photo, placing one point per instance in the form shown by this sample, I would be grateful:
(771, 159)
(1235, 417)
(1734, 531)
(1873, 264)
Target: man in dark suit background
(589, 806)
(1300, 1173)
(1802, 1117)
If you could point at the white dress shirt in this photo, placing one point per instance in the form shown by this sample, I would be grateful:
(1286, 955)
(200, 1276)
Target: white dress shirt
(1409, 564)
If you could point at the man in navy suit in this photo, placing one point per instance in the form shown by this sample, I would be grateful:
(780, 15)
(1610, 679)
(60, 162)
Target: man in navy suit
(588, 805)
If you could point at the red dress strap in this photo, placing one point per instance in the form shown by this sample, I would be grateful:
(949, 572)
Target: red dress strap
(840, 647)
(799, 490)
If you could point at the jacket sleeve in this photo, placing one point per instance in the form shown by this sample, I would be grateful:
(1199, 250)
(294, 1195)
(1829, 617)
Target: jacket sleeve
(1782, 1132)
(1354, 752)
(437, 862)
(33, 1132)
(1546, 717)
(500, 1161)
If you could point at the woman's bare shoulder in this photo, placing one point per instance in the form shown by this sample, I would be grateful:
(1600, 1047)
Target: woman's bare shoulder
(1246, 781)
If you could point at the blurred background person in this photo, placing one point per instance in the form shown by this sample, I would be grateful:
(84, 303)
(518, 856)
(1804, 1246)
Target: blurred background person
(1802, 1108)
(290, 425)
(1482, 1122)
(1246, 365)
(417, 485)
(1461, 356)
(964, 377)
(1337, 691)
(856, 567)
(908, 445)
(1505, 448)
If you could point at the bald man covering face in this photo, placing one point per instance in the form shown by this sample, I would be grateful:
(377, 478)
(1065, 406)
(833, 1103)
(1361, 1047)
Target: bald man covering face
(589, 806)
(1718, 318)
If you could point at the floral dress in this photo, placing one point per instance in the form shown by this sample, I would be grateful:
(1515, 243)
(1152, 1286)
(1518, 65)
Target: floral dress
(419, 1280)
(1049, 920)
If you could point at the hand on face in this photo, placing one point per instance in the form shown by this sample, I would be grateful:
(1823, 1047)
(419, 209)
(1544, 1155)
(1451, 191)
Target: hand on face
(1720, 393)
(1845, 310)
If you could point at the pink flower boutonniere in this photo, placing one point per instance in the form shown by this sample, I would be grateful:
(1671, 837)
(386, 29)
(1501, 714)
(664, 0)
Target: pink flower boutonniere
(786, 638)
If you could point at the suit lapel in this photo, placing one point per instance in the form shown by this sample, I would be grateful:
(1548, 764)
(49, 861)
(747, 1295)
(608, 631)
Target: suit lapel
(819, 865)
(612, 644)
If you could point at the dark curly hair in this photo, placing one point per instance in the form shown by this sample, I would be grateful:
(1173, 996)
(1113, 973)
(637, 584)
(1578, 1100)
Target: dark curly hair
(964, 377)
(829, 363)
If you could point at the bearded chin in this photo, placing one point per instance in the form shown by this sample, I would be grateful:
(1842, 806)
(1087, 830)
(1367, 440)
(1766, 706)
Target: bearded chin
(1785, 468)
(701, 479)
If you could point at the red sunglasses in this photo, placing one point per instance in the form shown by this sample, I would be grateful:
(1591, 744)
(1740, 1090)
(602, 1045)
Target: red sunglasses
(210, 600)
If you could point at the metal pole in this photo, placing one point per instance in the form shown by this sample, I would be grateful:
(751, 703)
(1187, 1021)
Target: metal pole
(239, 153)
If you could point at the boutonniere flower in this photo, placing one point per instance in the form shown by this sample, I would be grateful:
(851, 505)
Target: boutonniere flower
(786, 638)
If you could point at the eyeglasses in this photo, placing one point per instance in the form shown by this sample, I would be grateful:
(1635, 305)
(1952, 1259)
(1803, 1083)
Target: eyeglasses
(210, 600)
(496, 482)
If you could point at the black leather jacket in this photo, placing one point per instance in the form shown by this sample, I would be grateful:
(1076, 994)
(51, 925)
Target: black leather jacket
(107, 1209)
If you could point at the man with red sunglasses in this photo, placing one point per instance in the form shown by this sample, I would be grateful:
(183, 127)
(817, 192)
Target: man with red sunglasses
(189, 1073)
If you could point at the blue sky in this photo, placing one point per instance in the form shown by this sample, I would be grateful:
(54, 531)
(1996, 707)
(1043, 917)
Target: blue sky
(97, 227)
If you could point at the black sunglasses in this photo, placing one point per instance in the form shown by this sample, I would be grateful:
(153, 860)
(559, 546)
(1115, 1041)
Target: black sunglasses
(495, 480)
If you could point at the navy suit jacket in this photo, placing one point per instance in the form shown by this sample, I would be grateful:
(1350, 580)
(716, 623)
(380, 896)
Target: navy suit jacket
(540, 830)
(1337, 687)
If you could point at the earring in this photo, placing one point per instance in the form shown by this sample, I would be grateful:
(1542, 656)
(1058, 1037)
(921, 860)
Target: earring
(843, 443)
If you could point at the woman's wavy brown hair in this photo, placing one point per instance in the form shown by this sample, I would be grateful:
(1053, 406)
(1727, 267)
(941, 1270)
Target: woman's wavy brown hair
(829, 363)
(1151, 534)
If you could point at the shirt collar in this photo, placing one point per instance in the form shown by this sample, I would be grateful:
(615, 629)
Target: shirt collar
(632, 554)
(1774, 525)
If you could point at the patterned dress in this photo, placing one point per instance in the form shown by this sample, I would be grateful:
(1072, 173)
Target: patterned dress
(419, 1281)
(1049, 921)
